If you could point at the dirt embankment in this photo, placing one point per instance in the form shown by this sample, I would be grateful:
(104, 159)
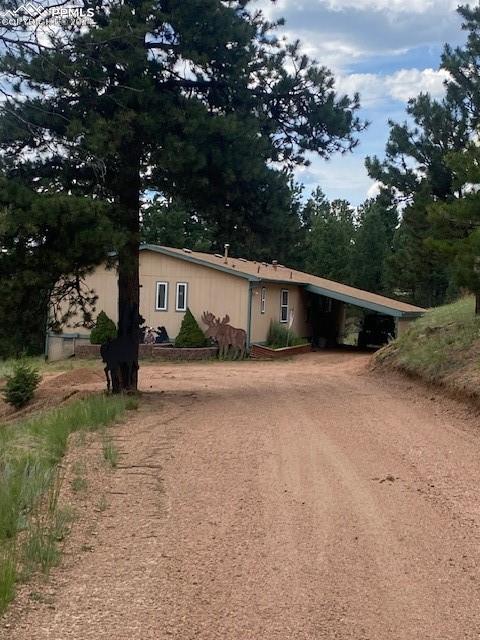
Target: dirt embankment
(299, 500)
(55, 389)
(441, 349)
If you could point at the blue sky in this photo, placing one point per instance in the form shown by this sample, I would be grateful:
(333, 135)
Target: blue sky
(387, 50)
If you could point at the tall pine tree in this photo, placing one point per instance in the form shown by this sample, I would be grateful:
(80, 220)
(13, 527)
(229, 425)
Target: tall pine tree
(330, 239)
(190, 99)
(376, 221)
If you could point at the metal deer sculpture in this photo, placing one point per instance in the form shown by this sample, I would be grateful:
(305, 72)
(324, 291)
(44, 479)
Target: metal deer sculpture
(225, 335)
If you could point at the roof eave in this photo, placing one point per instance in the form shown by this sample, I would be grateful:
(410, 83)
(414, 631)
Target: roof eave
(198, 261)
(366, 304)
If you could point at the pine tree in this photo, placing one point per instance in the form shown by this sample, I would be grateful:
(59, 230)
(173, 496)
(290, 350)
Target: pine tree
(415, 271)
(330, 239)
(455, 225)
(189, 99)
(49, 242)
(370, 251)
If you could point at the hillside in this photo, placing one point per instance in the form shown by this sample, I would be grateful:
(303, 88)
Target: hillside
(443, 348)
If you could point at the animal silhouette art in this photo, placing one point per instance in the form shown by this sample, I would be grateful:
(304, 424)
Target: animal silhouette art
(225, 335)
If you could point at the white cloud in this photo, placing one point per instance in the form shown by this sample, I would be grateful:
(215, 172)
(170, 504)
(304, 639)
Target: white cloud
(339, 33)
(401, 85)
(407, 83)
(391, 6)
(374, 190)
(330, 52)
(397, 6)
(343, 177)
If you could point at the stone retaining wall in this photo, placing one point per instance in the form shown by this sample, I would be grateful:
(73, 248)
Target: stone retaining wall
(153, 351)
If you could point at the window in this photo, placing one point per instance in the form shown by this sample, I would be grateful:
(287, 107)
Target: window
(181, 297)
(161, 299)
(284, 305)
(263, 299)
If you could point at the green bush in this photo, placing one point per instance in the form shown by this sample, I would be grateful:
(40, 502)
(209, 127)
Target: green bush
(104, 330)
(21, 385)
(190, 333)
(280, 336)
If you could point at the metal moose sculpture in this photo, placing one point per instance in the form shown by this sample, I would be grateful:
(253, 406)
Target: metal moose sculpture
(225, 335)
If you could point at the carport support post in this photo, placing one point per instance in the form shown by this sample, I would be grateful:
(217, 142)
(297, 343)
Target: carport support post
(249, 314)
(341, 320)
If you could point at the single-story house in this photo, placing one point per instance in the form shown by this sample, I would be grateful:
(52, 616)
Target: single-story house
(252, 293)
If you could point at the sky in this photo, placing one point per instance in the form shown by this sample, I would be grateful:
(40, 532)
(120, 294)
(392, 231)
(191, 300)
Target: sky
(388, 51)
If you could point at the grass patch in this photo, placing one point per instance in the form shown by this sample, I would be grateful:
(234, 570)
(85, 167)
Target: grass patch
(8, 575)
(43, 366)
(102, 504)
(131, 404)
(441, 347)
(79, 484)
(31, 523)
(110, 451)
(280, 336)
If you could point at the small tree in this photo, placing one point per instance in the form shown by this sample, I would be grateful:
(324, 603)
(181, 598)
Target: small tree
(104, 330)
(190, 333)
(21, 385)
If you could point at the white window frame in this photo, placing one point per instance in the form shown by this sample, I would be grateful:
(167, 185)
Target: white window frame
(185, 297)
(284, 306)
(157, 307)
(263, 299)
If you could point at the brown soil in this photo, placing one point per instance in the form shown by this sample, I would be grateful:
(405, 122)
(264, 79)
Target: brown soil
(74, 378)
(305, 499)
(55, 389)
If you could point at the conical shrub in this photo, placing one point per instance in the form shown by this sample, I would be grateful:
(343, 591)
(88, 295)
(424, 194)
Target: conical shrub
(104, 330)
(190, 334)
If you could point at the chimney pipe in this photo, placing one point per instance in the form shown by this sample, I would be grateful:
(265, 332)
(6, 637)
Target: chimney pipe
(274, 264)
(227, 247)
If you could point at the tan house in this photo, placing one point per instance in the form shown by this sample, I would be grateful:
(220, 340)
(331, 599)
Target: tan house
(252, 293)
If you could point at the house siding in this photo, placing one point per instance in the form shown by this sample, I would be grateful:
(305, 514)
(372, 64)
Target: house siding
(208, 290)
(296, 301)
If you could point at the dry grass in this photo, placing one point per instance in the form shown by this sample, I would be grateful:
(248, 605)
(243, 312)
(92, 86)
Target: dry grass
(31, 522)
(443, 347)
(39, 362)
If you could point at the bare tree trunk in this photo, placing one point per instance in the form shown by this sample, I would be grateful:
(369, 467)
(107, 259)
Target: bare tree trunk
(128, 277)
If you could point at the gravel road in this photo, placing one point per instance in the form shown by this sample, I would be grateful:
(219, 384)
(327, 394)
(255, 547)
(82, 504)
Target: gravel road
(307, 499)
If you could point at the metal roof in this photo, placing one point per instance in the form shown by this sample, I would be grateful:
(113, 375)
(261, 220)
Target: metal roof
(263, 272)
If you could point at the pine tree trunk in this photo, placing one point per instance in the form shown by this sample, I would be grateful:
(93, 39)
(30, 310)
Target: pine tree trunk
(129, 279)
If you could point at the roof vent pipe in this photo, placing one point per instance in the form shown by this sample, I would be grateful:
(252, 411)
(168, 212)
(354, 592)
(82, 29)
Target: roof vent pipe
(227, 247)
(274, 264)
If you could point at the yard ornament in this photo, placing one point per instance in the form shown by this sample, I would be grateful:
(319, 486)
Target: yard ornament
(225, 335)
(120, 355)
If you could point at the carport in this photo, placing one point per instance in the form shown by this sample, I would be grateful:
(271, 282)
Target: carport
(328, 300)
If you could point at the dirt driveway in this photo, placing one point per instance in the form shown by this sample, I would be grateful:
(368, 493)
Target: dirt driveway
(305, 499)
